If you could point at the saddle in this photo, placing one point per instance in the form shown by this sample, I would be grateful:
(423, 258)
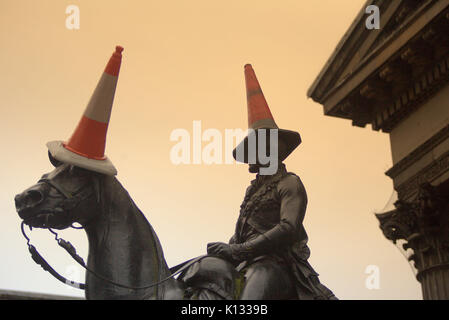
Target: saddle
(211, 278)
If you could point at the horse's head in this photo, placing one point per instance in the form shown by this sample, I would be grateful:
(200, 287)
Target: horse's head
(66, 195)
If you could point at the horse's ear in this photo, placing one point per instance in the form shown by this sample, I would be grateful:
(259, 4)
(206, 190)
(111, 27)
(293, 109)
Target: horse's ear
(53, 161)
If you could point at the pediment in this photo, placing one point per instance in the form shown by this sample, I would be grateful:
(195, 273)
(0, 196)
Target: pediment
(359, 43)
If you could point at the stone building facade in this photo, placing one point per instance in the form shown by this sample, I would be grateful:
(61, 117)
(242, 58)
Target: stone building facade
(396, 78)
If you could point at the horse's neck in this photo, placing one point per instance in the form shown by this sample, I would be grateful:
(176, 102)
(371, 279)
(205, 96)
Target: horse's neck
(124, 249)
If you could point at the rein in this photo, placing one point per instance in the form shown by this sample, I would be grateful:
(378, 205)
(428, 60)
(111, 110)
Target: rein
(68, 204)
(36, 256)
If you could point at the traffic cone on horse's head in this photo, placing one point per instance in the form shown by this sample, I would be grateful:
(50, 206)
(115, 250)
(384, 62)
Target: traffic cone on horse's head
(260, 117)
(86, 146)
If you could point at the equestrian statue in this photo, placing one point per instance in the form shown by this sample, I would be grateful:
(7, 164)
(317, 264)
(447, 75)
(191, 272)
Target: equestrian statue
(265, 259)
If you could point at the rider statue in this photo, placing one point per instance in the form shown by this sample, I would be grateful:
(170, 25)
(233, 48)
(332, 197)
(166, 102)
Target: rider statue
(269, 247)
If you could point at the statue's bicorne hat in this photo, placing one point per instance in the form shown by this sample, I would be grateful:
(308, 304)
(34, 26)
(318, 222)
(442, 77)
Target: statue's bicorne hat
(260, 117)
(86, 146)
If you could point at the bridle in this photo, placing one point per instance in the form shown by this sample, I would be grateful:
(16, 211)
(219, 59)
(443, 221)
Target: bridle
(71, 200)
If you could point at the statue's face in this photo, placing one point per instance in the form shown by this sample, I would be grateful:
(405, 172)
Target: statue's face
(255, 167)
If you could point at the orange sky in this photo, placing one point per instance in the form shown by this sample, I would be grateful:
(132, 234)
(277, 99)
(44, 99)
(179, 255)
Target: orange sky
(183, 61)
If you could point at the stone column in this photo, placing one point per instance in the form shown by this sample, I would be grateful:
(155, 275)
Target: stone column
(424, 224)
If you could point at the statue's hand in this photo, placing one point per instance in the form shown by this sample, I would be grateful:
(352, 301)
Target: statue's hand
(220, 249)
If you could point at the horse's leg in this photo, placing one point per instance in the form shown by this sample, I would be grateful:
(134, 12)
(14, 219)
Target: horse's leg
(267, 280)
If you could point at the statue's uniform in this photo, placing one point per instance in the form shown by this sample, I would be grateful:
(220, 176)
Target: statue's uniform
(270, 242)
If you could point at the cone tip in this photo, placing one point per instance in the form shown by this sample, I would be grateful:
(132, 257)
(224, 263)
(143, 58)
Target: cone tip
(118, 49)
(248, 65)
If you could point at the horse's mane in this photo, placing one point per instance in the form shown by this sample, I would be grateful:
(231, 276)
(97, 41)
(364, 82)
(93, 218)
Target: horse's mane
(114, 200)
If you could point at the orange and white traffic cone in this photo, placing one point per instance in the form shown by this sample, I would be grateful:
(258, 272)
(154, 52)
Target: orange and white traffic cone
(86, 146)
(259, 114)
(260, 117)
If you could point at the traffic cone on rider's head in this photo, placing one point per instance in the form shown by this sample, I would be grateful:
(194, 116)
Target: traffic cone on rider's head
(259, 114)
(260, 117)
(86, 146)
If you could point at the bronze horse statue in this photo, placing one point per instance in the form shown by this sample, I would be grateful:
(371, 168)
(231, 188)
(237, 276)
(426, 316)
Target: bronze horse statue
(125, 256)
(124, 250)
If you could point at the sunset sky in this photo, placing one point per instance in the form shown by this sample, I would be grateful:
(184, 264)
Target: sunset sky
(183, 62)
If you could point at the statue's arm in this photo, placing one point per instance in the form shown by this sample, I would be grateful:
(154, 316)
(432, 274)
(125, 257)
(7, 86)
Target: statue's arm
(293, 200)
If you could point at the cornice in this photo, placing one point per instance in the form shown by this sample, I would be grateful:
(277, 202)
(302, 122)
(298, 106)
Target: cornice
(403, 68)
(418, 153)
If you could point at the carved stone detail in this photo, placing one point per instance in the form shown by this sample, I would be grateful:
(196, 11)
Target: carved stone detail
(398, 75)
(357, 108)
(435, 169)
(424, 225)
(436, 37)
(396, 90)
(419, 55)
(428, 212)
(399, 223)
(417, 92)
(376, 89)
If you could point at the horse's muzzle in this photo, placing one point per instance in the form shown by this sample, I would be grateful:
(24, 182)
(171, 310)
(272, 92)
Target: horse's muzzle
(31, 208)
(26, 201)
